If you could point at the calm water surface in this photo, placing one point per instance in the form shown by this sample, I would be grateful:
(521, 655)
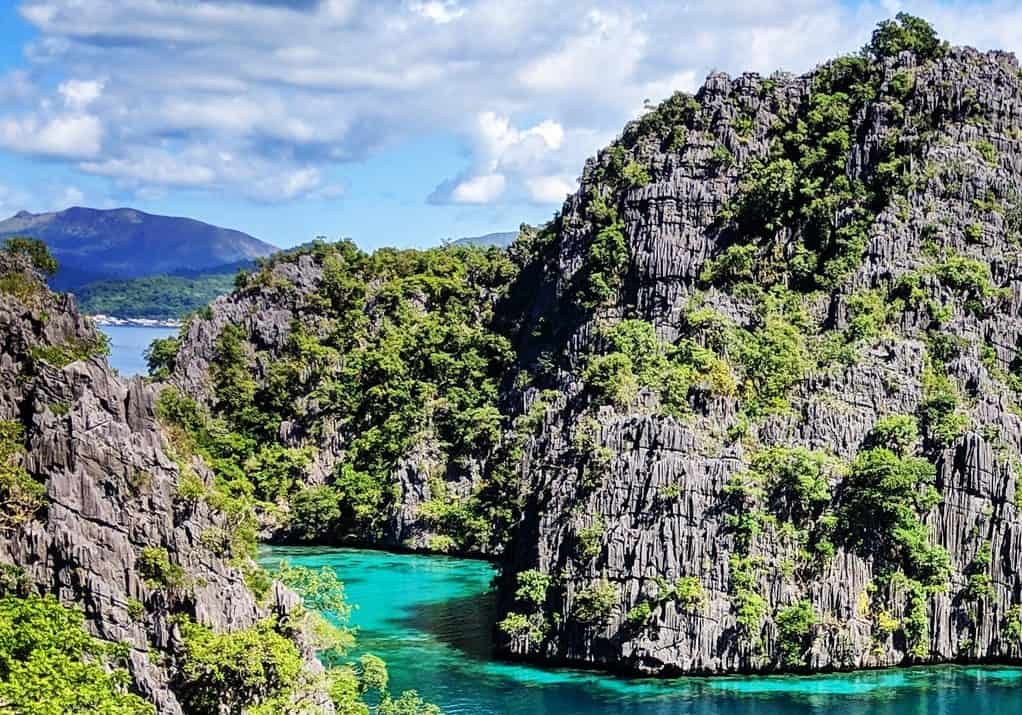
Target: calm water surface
(128, 344)
(428, 617)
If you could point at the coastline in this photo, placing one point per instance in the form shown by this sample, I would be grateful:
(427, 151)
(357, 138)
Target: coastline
(112, 320)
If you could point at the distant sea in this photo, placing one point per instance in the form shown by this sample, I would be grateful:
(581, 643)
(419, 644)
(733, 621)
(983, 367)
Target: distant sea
(128, 344)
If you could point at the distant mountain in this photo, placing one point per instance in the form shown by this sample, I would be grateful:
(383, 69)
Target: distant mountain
(95, 244)
(500, 240)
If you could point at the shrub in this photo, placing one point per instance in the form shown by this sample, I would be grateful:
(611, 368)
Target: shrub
(883, 498)
(612, 378)
(967, 275)
(941, 420)
(750, 605)
(590, 539)
(155, 567)
(49, 663)
(314, 512)
(136, 610)
(774, 358)
(635, 174)
(795, 625)
(1011, 628)
(21, 496)
(63, 354)
(796, 479)
(161, 356)
(905, 32)
(898, 433)
(532, 587)
(987, 150)
(518, 625)
(35, 251)
(594, 603)
(640, 615)
(688, 591)
(238, 669)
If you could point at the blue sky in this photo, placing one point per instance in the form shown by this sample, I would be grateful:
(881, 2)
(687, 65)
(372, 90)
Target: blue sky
(395, 122)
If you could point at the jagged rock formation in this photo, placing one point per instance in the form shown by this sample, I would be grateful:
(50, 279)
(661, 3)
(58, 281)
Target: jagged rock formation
(764, 406)
(111, 494)
(672, 558)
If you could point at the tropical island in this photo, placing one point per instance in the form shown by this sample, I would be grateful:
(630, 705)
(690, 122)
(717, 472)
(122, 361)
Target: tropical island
(748, 403)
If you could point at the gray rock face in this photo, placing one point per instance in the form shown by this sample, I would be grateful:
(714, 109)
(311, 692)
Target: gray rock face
(111, 488)
(658, 510)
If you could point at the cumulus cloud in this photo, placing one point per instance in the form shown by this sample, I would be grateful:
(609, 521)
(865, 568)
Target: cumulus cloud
(72, 136)
(261, 98)
(79, 94)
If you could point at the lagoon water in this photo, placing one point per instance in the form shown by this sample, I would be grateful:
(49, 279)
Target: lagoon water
(128, 344)
(429, 616)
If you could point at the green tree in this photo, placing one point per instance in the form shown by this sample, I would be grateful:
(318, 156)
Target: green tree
(905, 32)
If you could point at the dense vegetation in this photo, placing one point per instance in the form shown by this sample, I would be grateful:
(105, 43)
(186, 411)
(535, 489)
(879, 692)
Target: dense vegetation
(394, 349)
(49, 665)
(153, 297)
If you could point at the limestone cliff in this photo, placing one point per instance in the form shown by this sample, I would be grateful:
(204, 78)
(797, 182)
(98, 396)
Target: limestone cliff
(762, 409)
(799, 246)
(110, 533)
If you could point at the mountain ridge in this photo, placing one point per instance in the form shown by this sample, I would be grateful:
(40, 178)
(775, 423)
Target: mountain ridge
(99, 244)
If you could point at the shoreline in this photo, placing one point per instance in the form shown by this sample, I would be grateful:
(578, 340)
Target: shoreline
(112, 320)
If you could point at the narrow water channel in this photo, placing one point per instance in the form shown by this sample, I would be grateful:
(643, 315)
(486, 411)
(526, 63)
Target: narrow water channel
(429, 618)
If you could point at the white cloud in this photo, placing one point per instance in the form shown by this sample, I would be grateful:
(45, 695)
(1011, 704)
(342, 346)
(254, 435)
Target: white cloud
(605, 53)
(79, 94)
(439, 11)
(68, 196)
(548, 189)
(78, 136)
(157, 94)
(479, 189)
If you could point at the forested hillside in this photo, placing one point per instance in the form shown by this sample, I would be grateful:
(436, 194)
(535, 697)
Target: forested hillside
(749, 402)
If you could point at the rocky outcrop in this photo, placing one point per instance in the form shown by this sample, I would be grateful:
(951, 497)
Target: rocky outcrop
(660, 507)
(111, 493)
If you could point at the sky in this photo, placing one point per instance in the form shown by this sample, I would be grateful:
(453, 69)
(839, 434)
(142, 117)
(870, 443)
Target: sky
(393, 122)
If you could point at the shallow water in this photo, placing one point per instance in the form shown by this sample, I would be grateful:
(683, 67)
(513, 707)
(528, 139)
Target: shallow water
(429, 616)
(128, 344)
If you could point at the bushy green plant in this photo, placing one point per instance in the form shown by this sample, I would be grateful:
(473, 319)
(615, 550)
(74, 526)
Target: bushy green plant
(688, 592)
(941, 419)
(34, 251)
(884, 497)
(532, 587)
(590, 539)
(905, 33)
(21, 496)
(595, 603)
(161, 356)
(49, 664)
(749, 604)
(898, 433)
(155, 566)
(795, 626)
(639, 615)
(314, 512)
(237, 669)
